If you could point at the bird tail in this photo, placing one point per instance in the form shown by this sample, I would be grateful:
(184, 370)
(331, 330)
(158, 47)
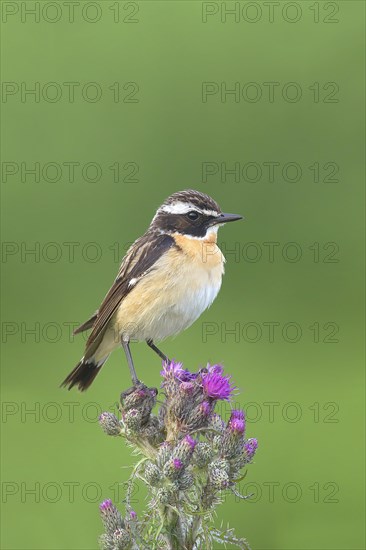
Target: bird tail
(83, 374)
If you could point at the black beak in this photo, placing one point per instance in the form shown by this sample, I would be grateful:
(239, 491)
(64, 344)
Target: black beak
(225, 218)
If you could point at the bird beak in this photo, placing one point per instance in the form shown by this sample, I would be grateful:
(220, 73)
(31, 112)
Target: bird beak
(225, 218)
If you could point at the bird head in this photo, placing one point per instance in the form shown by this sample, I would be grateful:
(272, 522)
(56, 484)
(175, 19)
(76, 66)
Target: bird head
(190, 213)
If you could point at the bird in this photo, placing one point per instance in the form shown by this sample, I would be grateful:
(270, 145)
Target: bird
(167, 279)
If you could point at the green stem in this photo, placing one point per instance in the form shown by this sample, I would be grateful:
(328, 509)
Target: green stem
(192, 536)
(173, 529)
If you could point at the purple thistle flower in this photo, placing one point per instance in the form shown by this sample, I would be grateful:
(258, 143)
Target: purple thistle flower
(236, 423)
(111, 517)
(133, 514)
(176, 370)
(236, 426)
(106, 505)
(190, 442)
(219, 369)
(187, 376)
(250, 447)
(205, 408)
(177, 463)
(172, 369)
(216, 385)
(237, 413)
(184, 450)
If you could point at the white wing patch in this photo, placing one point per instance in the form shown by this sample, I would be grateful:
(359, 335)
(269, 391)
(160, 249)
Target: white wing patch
(132, 282)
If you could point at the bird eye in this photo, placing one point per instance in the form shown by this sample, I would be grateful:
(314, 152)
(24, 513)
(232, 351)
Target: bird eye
(192, 215)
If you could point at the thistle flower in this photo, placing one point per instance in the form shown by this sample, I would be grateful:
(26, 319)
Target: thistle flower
(172, 370)
(111, 518)
(173, 468)
(190, 454)
(236, 424)
(216, 385)
(178, 464)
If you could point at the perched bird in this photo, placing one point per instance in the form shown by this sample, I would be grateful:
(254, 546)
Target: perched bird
(168, 277)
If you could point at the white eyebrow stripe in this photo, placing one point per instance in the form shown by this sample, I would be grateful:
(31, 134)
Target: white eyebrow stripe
(184, 207)
(177, 208)
(210, 213)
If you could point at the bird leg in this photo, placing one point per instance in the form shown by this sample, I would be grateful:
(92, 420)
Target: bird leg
(126, 349)
(151, 345)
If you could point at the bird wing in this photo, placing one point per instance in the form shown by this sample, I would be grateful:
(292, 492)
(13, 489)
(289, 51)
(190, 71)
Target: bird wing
(87, 325)
(139, 260)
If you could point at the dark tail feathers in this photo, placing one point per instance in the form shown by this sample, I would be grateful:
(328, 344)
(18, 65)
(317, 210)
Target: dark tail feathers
(83, 375)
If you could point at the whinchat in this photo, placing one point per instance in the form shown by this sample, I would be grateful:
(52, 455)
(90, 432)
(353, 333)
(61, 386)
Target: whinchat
(167, 279)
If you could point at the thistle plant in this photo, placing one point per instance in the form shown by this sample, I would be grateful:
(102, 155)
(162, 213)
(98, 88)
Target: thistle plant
(190, 458)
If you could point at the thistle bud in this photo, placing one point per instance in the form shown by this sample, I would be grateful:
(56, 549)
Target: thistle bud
(218, 474)
(111, 518)
(132, 419)
(184, 449)
(134, 397)
(203, 454)
(250, 448)
(106, 542)
(221, 464)
(165, 494)
(152, 474)
(121, 539)
(163, 453)
(173, 468)
(185, 481)
(186, 388)
(199, 416)
(141, 398)
(110, 424)
(236, 424)
(232, 440)
(152, 431)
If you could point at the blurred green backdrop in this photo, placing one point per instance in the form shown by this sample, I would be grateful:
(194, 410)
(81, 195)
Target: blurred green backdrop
(120, 117)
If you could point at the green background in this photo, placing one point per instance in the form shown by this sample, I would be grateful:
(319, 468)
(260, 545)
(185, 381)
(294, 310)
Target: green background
(311, 448)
